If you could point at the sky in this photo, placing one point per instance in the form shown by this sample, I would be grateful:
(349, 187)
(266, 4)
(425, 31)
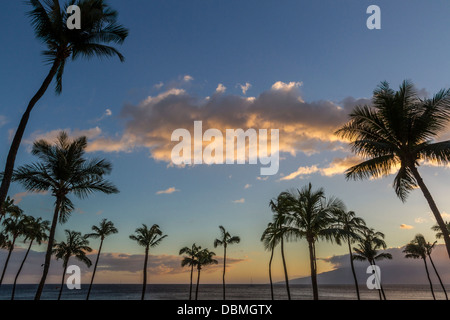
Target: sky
(296, 66)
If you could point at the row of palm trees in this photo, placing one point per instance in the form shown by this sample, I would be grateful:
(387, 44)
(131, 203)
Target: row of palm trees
(195, 256)
(35, 231)
(308, 214)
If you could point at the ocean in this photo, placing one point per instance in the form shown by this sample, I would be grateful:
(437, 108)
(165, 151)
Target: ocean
(214, 292)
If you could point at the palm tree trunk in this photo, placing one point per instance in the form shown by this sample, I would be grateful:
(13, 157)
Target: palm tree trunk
(66, 261)
(224, 268)
(353, 268)
(144, 286)
(190, 285)
(7, 259)
(429, 280)
(433, 207)
(198, 283)
(286, 278)
(48, 255)
(270, 273)
(313, 270)
(10, 160)
(437, 274)
(95, 269)
(20, 270)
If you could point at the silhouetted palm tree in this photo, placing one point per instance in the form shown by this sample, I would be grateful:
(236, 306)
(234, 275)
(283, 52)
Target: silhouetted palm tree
(368, 250)
(399, 130)
(437, 229)
(9, 208)
(279, 207)
(105, 228)
(204, 258)
(225, 240)
(270, 239)
(311, 219)
(99, 27)
(147, 238)
(429, 248)
(416, 250)
(76, 245)
(350, 227)
(35, 231)
(191, 260)
(63, 170)
(15, 227)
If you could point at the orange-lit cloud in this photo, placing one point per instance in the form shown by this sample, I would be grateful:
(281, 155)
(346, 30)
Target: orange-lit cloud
(168, 191)
(406, 226)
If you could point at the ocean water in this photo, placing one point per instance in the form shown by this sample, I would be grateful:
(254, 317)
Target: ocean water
(214, 292)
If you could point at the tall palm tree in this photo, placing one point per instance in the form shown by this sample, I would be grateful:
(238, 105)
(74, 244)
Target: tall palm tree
(270, 240)
(225, 240)
(63, 170)
(99, 27)
(437, 229)
(204, 258)
(9, 208)
(76, 245)
(351, 227)
(35, 231)
(368, 250)
(190, 260)
(428, 249)
(279, 207)
(311, 218)
(147, 238)
(104, 229)
(14, 226)
(399, 131)
(416, 250)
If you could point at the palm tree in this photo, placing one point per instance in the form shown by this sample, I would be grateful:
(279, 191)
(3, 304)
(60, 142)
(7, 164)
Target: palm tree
(63, 170)
(350, 227)
(105, 228)
(205, 258)
(99, 28)
(437, 229)
(225, 240)
(399, 131)
(416, 250)
(147, 238)
(190, 260)
(76, 245)
(35, 231)
(270, 240)
(15, 227)
(9, 208)
(428, 249)
(280, 209)
(367, 250)
(311, 218)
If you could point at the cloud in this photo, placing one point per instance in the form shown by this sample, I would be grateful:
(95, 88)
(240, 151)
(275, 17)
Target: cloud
(18, 197)
(244, 87)
(406, 226)
(247, 186)
(111, 268)
(168, 191)
(159, 85)
(262, 178)
(306, 127)
(188, 78)
(106, 114)
(337, 166)
(3, 121)
(239, 201)
(420, 220)
(52, 135)
(221, 88)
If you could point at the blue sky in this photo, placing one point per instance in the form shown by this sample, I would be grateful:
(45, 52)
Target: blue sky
(322, 48)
